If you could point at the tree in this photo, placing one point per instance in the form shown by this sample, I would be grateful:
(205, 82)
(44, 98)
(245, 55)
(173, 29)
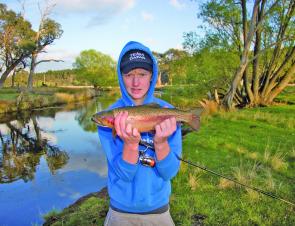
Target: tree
(266, 42)
(16, 41)
(47, 33)
(95, 67)
(167, 61)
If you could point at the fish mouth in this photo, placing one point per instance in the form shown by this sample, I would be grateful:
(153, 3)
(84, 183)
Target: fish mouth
(95, 120)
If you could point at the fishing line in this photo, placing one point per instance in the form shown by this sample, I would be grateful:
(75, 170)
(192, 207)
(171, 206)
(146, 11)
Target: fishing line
(151, 146)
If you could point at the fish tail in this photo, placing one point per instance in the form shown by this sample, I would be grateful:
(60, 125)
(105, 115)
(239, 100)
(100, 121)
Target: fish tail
(194, 121)
(194, 118)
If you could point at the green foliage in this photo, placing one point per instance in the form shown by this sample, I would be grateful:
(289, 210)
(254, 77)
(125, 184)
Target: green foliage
(210, 69)
(95, 67)
(16, 41)
(16, 36)
(263, 48)
(49, 31)
(183, 96)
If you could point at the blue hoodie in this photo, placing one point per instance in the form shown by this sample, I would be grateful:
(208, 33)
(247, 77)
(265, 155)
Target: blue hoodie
(134, 187)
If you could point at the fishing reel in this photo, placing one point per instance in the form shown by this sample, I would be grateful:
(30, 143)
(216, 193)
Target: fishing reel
(146, 160)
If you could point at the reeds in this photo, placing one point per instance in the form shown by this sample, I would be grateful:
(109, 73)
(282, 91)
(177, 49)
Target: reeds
(210, 106)
(247, 177)
(277, 162)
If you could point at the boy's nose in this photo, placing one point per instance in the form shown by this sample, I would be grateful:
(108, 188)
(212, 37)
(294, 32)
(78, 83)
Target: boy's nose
(135, 80)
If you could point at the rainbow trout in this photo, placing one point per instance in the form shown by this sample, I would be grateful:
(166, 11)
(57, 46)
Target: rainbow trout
(146, 117)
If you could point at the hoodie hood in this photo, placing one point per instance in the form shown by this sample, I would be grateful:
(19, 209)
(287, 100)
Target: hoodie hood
(132, 45)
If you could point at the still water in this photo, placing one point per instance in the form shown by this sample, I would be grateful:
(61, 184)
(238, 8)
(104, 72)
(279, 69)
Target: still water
(48, 160)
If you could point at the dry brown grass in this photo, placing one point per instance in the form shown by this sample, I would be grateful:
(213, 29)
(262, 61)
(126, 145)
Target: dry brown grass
(277, 162)
(266, 156)
(253, 195)
(270, 183)
(253, 155)
(183, 167)
(224, 183)
(247, 176)
(242, 150)
(210, 106)
(4, 106)
(193, 181)
(65, 97)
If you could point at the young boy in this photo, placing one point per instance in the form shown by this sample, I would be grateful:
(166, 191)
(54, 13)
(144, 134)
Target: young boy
(139, 194)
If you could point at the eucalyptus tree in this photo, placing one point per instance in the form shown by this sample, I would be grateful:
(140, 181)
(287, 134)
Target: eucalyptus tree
(262, 33)
(16, 41)
(48, 31)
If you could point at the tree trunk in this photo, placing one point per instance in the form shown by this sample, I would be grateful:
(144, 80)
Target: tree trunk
(278, 48)
(228, 99)
(8, 70)
(257, 48)
(278, 89)
(245, 31)
(32, 72)
(13, 78)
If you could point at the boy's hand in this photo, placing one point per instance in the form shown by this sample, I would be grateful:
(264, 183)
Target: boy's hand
(164, 130)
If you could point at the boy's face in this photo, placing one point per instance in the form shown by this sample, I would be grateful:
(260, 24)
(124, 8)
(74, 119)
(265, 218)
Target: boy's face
(137, 83)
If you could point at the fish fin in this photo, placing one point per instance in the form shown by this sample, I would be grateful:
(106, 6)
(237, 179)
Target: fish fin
(152, 105)
(114, 133)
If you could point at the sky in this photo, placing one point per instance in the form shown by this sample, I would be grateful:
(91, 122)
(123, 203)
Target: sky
(107, 25)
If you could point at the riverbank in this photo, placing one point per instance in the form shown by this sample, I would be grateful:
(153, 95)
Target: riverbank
(254, 146)
(15, 100)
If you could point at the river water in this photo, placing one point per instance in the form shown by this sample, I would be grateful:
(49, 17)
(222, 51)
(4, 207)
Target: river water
(48, 159)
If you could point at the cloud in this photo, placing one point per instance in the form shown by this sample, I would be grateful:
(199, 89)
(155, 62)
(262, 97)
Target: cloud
(66, 56)
(147, 16)
(177, 4)
(98, 11)
(179, 46)
(58, 54)
(94, 5)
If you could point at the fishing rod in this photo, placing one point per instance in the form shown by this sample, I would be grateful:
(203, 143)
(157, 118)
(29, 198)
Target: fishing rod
(151, 146)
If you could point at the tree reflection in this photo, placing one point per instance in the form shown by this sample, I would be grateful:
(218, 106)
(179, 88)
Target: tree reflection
(89, 109)
(23, 147)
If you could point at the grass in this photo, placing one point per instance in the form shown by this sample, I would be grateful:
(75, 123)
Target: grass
(287, 95)
(254, 146)
(258, 151)
(88, 213)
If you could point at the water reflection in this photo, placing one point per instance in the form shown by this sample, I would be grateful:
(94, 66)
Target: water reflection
(53, 156)
(23, 144)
